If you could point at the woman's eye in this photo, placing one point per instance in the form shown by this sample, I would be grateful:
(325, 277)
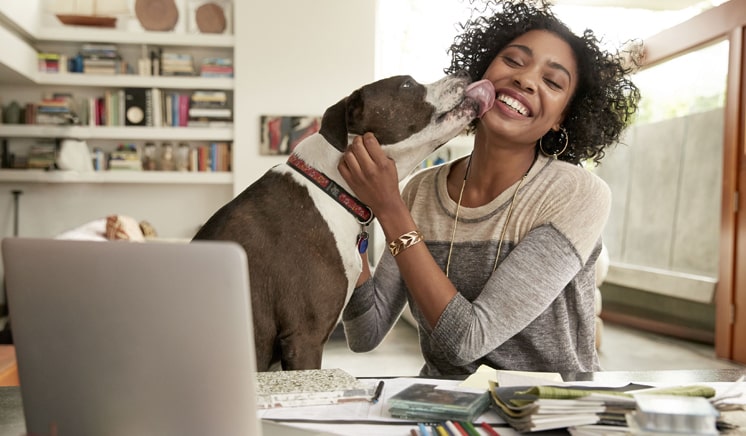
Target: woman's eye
(553, 84)
(510, 61)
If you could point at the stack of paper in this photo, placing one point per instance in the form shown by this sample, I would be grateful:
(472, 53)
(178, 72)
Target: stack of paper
(667, 414)
(537, 408)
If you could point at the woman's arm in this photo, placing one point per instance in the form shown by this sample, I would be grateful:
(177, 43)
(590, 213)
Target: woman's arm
(373, 177)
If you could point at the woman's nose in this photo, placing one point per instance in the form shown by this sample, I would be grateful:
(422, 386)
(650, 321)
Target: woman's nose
(525, 81)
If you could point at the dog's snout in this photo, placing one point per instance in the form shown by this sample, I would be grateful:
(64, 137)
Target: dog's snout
(462, 74)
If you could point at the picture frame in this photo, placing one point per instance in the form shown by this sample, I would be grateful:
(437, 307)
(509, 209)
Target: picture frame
(280, 134)
(210, 17)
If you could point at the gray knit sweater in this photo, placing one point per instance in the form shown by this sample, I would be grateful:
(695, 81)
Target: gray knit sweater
(536, 311)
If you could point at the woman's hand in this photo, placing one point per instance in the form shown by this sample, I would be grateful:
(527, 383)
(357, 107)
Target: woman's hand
(372, 176)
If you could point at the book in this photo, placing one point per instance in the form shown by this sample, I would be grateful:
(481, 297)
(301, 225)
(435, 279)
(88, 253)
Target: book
(421, 401)
(137, 111)
(309, 387)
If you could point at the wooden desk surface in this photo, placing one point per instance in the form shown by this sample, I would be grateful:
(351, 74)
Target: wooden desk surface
(8, 367)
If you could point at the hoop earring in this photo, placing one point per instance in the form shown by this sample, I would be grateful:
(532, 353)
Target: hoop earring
(561, 134)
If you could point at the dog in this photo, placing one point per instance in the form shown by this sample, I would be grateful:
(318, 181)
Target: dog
(302, 227)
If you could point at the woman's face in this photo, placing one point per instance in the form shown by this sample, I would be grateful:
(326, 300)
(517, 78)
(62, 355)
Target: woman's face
(535, 77)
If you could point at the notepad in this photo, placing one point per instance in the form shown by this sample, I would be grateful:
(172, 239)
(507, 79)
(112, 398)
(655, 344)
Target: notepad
(309, 388)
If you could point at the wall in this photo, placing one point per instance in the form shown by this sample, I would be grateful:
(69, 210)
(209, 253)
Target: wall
(295, 57)
(663, 232)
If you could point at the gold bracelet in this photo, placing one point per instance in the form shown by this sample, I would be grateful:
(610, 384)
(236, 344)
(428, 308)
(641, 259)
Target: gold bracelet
(405, 241)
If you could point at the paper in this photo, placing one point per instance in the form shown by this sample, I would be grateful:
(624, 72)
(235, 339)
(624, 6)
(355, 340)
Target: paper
(363, 411)
(484, 374)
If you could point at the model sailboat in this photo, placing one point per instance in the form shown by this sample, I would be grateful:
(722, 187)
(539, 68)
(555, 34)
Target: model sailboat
(98, 13)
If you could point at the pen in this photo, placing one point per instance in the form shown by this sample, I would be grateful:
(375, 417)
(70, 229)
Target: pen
(469, 427)
(423, 429)
(452, 428)
(377, 394)
(488, 428)
(441, 430)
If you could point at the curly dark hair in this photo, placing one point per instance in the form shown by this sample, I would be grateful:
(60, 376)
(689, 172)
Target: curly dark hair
(605, 99)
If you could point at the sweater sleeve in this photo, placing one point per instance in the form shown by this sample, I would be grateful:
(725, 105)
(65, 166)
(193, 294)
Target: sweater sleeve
(374, 306)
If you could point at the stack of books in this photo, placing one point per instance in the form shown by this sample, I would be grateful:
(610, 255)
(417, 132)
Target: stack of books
(429, 402)
(216, 67)
(41, 156)
(100, 59)
(54, 109)
(125, 157)
(209, 109)
(176, 64)
(52, 62)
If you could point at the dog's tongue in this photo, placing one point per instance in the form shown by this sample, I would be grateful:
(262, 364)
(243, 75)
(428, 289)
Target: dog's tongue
(484, 93)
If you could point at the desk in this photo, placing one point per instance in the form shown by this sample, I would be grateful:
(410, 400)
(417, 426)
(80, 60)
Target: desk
(8, 367)
(11, 407)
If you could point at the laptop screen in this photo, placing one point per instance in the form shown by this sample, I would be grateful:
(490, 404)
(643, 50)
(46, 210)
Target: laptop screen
(123, 338)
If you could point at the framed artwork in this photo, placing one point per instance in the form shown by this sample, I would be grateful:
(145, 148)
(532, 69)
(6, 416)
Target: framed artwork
(280, 134)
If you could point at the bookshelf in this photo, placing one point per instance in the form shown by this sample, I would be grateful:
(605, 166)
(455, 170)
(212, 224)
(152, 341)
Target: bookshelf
(130, 47)
(175, 202)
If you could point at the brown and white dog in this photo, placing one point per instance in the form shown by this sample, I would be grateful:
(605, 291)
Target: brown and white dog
(300, 224)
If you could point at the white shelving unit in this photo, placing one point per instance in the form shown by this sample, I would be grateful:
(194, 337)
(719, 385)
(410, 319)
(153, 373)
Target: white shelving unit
(88, 34)
(131, 80)
(120, 177)
(23, 70)
(130, 133)
(176, 203)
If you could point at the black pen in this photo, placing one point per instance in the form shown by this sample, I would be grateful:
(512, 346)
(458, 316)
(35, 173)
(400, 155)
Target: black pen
(377, 394)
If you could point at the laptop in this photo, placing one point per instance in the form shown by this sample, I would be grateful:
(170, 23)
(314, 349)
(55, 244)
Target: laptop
(124, 338)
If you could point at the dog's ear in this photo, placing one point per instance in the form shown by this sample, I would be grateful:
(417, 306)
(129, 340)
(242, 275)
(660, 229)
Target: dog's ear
(334, 125)
(355, 113)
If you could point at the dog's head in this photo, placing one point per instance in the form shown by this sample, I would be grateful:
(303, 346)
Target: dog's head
(409, 119)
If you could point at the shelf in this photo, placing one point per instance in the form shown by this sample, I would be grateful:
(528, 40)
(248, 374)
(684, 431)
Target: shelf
(18, 62)
(133, 81)
(134, 177)
(87, 34)
(125, 133)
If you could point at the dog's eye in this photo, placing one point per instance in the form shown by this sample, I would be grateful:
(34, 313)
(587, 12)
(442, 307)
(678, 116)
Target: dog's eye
(407, 84)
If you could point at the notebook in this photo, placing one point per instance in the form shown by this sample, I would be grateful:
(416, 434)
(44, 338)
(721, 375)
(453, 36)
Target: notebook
(124, 338)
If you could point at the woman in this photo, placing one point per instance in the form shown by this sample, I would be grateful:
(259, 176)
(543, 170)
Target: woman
(496, 252)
